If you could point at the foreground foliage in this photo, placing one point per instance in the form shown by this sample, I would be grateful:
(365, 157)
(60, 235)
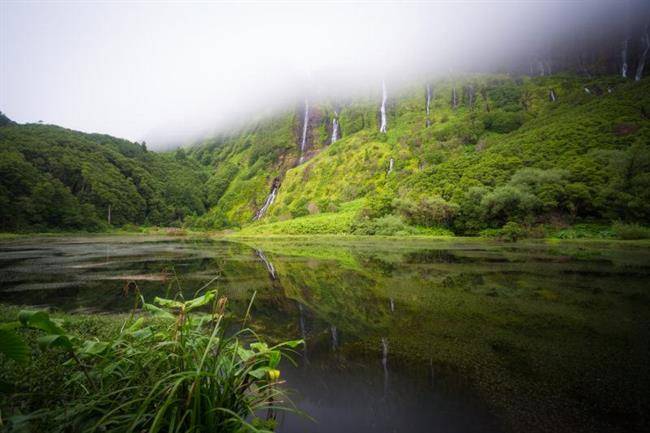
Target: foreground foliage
(171, 370)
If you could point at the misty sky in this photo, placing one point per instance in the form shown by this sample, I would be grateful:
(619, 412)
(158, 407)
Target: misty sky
(167, 71)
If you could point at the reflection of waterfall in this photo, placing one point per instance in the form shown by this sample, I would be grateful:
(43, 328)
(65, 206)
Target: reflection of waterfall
(269, 200)
(384, 362)
(646, 42)
(392, 305)
(335, 337)
(335, 128)
(303, 333)
(383, 126)
(267, 263)
(552, 96)
(624, 59)
(303, 141)
(391, 164)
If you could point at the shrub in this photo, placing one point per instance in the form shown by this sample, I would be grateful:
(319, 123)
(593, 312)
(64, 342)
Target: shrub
(630, 231)
(174, 369)
(427, 211)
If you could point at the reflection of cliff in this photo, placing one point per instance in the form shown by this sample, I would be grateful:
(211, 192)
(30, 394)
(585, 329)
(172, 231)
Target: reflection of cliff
(528, 327)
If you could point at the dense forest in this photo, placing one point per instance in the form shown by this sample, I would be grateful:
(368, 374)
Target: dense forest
(466, 154)
(55, 178)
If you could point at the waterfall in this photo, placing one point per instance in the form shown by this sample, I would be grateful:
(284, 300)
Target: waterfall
(269, 200)
(267, 263)
(335, 337)
(303, 141)
(303, 332)
(335, 127)
(587, 90)
(382, 127)
(391, 164)
(646, 41)
(392, 305)
(384, 362)
(552, 96)
(624, 59)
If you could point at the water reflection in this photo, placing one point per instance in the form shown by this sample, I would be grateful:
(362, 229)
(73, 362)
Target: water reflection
(484, 335)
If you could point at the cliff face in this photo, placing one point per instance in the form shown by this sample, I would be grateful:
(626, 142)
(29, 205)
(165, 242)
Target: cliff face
(497, 127)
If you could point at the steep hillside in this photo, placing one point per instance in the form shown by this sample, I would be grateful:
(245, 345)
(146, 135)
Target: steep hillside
(55, 178)
(493, 149)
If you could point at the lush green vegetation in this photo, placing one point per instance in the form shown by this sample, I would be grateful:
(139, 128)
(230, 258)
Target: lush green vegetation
(55, 178)
(505, 154)
(172, 369)
(511, 156)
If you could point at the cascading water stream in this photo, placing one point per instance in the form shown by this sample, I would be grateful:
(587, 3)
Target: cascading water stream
(552, 96)
(267, 263)
(392, 305)
(335, 128)
(335, 337)
(384, 362)
(303, 333)
(391, 164)
(267, 203)
(646, 42)
(384, 97)
(303, 141)
(624, 65)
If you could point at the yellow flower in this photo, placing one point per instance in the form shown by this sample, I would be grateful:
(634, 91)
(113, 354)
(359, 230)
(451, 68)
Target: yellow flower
(274, 374)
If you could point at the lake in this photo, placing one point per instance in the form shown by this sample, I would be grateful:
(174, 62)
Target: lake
(402, 335)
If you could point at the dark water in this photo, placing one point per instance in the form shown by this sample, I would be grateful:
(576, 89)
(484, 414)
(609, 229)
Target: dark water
(401, 336)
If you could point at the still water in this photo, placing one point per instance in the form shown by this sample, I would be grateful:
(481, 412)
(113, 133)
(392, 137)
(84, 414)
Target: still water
(401, 335)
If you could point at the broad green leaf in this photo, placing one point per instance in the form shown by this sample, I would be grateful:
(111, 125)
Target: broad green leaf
(274, 358)
(13, 347)
(167, 303)
(158, 312)
(39, 320)
(54, 340)
(245, 354)
(259, 346)
(94, 347)
(200, 301)
(259, 373)
(293, 343)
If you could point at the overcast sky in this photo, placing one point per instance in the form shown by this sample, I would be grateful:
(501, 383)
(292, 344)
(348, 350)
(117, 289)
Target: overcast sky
(165, 71)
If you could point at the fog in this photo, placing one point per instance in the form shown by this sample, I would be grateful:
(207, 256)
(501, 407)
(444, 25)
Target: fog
(171, 72)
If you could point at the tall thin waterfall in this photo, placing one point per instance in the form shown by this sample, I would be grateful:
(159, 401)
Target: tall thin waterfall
(624, 65)
(646, 42)
(269, 201)
(303, 333)
(335, 127)
(267, 263)
(552, 96)
(392, 305)
(303, 141)
(391, 164)
(428, 122)
(335, 337)
(382, 127)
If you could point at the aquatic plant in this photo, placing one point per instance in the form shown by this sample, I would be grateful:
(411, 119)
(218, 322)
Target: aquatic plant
(171, 369)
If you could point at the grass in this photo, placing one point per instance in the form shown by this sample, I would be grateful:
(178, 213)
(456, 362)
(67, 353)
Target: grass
(170, 368)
